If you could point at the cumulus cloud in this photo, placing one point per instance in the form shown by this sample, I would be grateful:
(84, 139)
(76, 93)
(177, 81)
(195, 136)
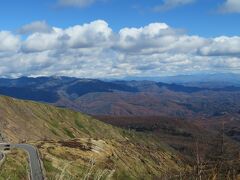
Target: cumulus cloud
(171, 4)
(38, 42)
(9, 42)
(157, 38)
(76, 3)
(90, 35)
(94, 50)
(37, 26)
(222, 46)
(230, 6)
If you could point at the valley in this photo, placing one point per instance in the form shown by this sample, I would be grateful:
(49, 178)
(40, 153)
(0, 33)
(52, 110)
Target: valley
(130, 129)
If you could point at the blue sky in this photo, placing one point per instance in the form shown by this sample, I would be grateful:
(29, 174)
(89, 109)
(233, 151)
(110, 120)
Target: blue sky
(200, 18)
(113, 38)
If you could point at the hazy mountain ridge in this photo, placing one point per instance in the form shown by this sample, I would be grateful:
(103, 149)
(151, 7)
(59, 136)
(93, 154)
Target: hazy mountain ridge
(200, 80)
(134, 98)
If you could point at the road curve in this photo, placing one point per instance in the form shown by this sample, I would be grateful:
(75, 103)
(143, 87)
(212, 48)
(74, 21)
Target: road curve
(35, 166)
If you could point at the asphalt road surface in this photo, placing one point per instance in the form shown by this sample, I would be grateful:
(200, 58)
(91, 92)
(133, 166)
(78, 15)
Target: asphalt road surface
(35, 166)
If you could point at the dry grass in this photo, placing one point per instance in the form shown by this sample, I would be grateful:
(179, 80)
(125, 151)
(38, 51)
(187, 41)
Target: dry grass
(97, 159)
(101, 151)
(15, 167)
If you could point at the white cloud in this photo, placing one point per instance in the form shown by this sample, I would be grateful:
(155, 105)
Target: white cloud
(9, 42)
(77, 3)
(157, 38)
(37, 26)
(94, 34)
(37, 42)
(171, 4)
(94, 50)
(230, 6)
(222, 46)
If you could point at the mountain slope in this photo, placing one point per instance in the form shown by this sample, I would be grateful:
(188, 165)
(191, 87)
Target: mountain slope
(34, 121)
(74, 145)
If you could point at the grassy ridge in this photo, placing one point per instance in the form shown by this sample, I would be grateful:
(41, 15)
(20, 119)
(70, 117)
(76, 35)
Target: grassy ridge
(74, 145)
(35, 121)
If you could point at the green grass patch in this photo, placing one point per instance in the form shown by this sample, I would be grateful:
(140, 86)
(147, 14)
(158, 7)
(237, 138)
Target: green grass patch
(15, 166)
(54, 131)
(79, 124)
(54, 123)
(68, 133)
(48, 166)
(52, 172)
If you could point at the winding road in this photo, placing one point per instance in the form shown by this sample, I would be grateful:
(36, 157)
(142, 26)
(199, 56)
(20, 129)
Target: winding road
(35, 165)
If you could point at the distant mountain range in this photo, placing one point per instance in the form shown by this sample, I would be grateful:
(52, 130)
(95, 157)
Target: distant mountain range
(200, 80)
(128, 98)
